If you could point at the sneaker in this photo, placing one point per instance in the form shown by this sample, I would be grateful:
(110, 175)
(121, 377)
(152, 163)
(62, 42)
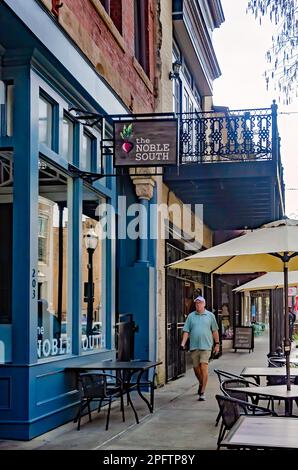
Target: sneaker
(202, 397)
(199, 389)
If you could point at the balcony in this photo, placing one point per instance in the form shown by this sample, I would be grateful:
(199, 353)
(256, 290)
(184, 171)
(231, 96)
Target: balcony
(229, 161)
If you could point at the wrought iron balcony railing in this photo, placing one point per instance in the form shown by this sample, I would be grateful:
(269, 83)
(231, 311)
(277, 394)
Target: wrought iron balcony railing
(228, 136)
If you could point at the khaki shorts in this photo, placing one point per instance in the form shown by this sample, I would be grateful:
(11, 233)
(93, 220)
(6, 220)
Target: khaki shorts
(200, 355)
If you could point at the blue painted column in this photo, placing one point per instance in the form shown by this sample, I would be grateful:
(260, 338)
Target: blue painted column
(144, 229)
(137, 296)
(144, 188)
(75, 215)
(25, 210)
(137, 283)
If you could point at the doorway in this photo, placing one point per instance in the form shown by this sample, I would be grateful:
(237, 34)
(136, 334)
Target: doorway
(179, 303)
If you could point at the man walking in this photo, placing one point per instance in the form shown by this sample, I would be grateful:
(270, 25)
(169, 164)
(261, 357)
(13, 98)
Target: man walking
(201, 328)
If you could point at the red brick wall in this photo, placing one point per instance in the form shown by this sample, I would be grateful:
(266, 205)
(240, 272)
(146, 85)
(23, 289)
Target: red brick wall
(112, 55)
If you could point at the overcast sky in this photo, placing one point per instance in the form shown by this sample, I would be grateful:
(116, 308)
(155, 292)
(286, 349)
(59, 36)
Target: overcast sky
(240, 45)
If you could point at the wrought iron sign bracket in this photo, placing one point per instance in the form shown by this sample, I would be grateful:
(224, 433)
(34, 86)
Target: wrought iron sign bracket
(90, 177)
(106, 145)
(88, 118)
(85, 175)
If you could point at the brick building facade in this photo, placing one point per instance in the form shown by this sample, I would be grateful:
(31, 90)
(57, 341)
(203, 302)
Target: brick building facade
(105, 32)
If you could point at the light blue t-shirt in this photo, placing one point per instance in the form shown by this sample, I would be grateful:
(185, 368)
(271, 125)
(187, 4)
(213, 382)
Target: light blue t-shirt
(200, 327)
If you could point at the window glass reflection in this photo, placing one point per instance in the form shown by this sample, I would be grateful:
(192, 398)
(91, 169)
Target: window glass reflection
(45, 122)
(6, 236)
(54, 323)
(86, 153)
(67, 139)
(93, 278)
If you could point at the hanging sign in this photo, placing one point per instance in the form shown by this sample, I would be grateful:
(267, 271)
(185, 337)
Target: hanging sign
(145, 142)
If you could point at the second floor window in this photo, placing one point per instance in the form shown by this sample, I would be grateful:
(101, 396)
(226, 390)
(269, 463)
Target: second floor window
(198, 99)
(45, 121)
(86, 153)
(187, 75)
(67, 139)
(176, 96)
(114, 10)
(186, 102)
(141, 33)
(106, 5)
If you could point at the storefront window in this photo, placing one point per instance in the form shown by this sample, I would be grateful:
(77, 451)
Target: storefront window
(227, 326)
(93, 278)
(226, 312)
(54, 321)
(259, 310)
(45, 121)
(246, 314)
(6, 224)
(67, 139)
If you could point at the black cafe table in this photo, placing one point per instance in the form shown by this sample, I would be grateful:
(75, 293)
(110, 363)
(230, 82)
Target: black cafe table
(130, 367)
(273, 391)
(257, 372)
(282, 360)
(263, 432)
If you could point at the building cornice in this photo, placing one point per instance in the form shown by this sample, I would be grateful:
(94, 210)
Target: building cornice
(193, 35)
(216, 11)
(203, 42)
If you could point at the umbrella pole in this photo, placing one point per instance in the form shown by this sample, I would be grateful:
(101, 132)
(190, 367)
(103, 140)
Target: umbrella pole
(287, 342)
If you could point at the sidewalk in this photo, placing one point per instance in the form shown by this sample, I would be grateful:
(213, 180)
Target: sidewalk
(179, 421)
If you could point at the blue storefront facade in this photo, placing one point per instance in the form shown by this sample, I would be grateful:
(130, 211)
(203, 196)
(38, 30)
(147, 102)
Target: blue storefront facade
(47, 214)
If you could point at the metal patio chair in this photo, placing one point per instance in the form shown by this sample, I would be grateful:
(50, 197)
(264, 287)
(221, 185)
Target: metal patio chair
(232, 408)
(222, 376)
(227, 385)
(278, 380)
(95, 387)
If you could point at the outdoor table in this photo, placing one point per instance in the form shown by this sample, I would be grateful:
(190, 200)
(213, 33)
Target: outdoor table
(274, 391)
(293, 360)
(263, 433)
(121, 366)
(257, 372)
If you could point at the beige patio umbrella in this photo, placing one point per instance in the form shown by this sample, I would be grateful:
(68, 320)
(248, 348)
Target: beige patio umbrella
(273, 247)
(269, 281)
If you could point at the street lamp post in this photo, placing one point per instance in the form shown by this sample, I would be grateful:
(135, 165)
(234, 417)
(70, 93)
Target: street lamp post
(175, 75)
(91, 241)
